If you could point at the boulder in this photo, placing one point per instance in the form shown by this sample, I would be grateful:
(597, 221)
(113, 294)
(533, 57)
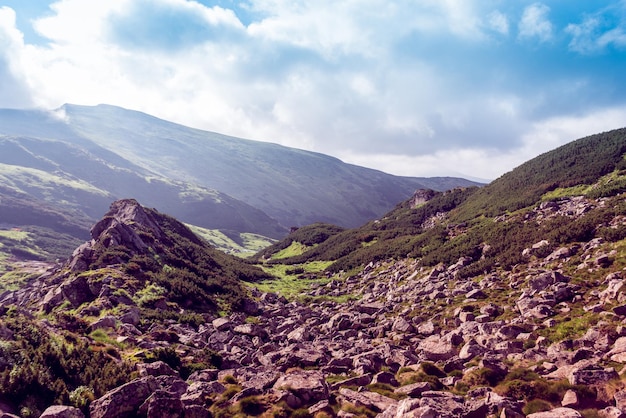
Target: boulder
(556, 413)
(370, 400)
(413, 390)
(591, 375)
(62, 411)
(435, 348)
(77, 291)
(611, 412)
(123, 401)
(402, 325)
(162, 405)
(308, 385)
(569, 399)
(199, 393)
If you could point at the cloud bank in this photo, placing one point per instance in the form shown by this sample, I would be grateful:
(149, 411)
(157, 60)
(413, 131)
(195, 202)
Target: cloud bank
(428, 87)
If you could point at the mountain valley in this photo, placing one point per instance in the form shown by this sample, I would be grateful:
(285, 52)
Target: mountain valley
(472, 302)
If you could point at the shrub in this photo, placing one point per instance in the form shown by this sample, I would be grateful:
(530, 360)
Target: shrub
(251, 406)
(536, 405)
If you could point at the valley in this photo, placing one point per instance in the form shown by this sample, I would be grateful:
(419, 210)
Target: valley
(470, 302)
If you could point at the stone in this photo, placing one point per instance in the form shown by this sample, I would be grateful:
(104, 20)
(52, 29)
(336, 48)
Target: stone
(299, 334)
(476, 294)
(371, 400)
(77, 291)
(556, 413)
(591, 375)
(570, 398)
(386, 378)
(413, 390)
(362, 380)
(199, 393)
(435, 348)
(162, 405)
(470, 350)
(620, 399)
(125, 400)
(611, 412)
(222, 324)
(158, 368)
(62, 411)
(308, 385)
(402, 325)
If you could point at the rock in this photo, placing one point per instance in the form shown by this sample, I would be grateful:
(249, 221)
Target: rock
(61, 411)
(435, 348)
(557, 413)
(401, 325)
(413, 390)
(123, 401)
(591, 375)
(250, 307)
(409, 408)
(196, 411)
(158, 368)
(371, 400)
(386, 378)
(299, 334)
(308, 385)
(620, 399)
(323, 407)
(77, 291)
(162, 405)
(131, 317)
(470, 350)
(362, 380)
(222, 324)
(476, 294)
(199, 393)
(426, 328)
(446, 404)
(570, 398)
(611, 412)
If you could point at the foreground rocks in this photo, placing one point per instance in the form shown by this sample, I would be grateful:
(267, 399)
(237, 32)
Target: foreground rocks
(396, 340)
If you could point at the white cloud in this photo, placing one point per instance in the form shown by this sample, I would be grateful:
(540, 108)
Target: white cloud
(345, 78)
(498, 22)
(535, 23)
(13, 85)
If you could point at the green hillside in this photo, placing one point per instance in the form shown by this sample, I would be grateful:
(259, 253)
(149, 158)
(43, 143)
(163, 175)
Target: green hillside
(469, 222)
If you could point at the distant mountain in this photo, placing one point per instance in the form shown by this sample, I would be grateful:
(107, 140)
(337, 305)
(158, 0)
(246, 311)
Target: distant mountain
(294, 187)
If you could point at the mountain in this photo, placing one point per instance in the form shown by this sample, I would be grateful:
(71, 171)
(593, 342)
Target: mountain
(507, 300)
(292, 186)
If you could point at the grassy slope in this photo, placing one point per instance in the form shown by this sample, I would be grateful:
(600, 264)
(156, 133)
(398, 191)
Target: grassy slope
(467, 223)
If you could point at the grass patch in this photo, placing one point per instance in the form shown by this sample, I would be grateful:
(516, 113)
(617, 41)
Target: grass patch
(246, 245)
(14, 279)
(294, 249)
(289, 281)
(579, 190)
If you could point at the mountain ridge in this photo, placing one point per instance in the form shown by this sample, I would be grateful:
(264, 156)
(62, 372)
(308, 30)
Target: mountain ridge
(77, 159)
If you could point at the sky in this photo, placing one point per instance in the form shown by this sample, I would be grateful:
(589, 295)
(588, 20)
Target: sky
(468, 88)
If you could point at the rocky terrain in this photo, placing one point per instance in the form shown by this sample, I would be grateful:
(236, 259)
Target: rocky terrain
(519, 312)
(410, 341)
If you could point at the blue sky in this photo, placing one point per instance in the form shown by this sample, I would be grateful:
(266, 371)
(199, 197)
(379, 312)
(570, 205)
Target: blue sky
(411, 87)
